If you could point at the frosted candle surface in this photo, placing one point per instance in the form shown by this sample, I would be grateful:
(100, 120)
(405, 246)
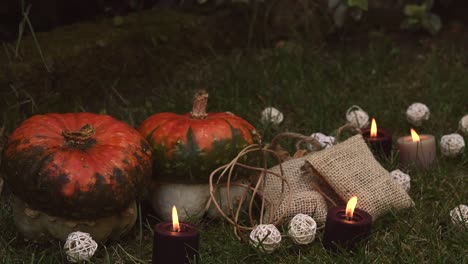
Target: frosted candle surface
(421, 153)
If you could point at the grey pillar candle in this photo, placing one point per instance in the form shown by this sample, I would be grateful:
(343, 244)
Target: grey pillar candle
(421, 153)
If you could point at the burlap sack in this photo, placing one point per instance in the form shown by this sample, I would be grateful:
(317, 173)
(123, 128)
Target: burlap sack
(304, 199)
(349, 169)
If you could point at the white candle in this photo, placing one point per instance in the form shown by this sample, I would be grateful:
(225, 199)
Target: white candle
(417, 150)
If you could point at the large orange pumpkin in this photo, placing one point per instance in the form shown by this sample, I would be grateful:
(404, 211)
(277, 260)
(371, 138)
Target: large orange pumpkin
(76, 165)
(187, 147)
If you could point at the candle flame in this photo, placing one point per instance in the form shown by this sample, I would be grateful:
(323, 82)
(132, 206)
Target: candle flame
(373, 128)
(350, 207)
(414, 136)
(175, 220)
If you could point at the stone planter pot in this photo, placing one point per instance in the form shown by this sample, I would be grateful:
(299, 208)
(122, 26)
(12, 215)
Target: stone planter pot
(40, 227)
(190, 199)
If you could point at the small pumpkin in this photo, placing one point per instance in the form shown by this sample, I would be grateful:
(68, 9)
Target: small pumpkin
(76, 165)
(187, 147)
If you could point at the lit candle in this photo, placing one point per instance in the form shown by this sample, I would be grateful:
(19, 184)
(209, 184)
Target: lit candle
(346, 226)
(417, 149)
(379, 140)
(174, 242)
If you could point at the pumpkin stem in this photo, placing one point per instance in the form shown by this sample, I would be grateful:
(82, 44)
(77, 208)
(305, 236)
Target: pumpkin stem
(199, 105)
(80, 137)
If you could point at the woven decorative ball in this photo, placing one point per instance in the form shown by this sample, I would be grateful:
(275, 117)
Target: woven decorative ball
(452, 145)
(324, 140)
(80, 246)
(357, 117)
(402, 178)
(459, 215)
(417, 113)
(267, 238)
(302, 229)
(272, 115)
(463, 125)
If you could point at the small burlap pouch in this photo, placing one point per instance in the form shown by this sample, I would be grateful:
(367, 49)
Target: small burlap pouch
(304, 199)
(349, 169)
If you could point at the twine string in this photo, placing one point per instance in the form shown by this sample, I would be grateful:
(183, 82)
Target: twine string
(256, 186)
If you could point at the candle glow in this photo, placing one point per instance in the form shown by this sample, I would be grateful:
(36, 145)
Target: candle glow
(373, 129)
(175, 220)
(414, 136)
(175, 242)
(350, 207)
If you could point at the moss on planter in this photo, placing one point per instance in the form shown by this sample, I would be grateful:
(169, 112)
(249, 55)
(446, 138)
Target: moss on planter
(40, 227)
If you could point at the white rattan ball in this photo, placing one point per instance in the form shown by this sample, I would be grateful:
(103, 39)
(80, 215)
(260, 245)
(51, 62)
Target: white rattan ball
(357, 117)
(272, 115)
(80, 246)
(463, 125)
(267, 238)
(459, 215)
(324, 140)
(302, 229)
(452, 145)
(402, 178)
(417, 113)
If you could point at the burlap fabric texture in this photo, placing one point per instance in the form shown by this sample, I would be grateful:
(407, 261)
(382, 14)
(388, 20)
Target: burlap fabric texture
(304, 199)
(349, 169)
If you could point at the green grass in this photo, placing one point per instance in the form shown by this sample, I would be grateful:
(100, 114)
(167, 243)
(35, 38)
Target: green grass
(313, 88)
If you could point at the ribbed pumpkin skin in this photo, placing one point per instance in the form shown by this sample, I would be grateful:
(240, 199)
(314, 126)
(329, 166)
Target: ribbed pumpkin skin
(96, 179)
(187, 150)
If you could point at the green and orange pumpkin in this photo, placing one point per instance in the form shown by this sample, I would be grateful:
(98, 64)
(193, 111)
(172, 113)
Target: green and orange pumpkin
(76, 165)
(188, 147)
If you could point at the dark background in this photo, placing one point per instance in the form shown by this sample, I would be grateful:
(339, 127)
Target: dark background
(47, 14)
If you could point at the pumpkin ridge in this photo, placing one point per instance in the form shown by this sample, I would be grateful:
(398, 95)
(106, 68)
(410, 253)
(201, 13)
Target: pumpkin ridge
(150, 135)
(50, 127)
(159, 119)
(244, 125)
(57, 119)
(205, 140)
(191, 149)
(174, 137)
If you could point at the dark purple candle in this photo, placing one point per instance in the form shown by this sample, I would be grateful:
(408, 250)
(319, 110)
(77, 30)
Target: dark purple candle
(175, 246)
(381, 143)
(344, 231)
